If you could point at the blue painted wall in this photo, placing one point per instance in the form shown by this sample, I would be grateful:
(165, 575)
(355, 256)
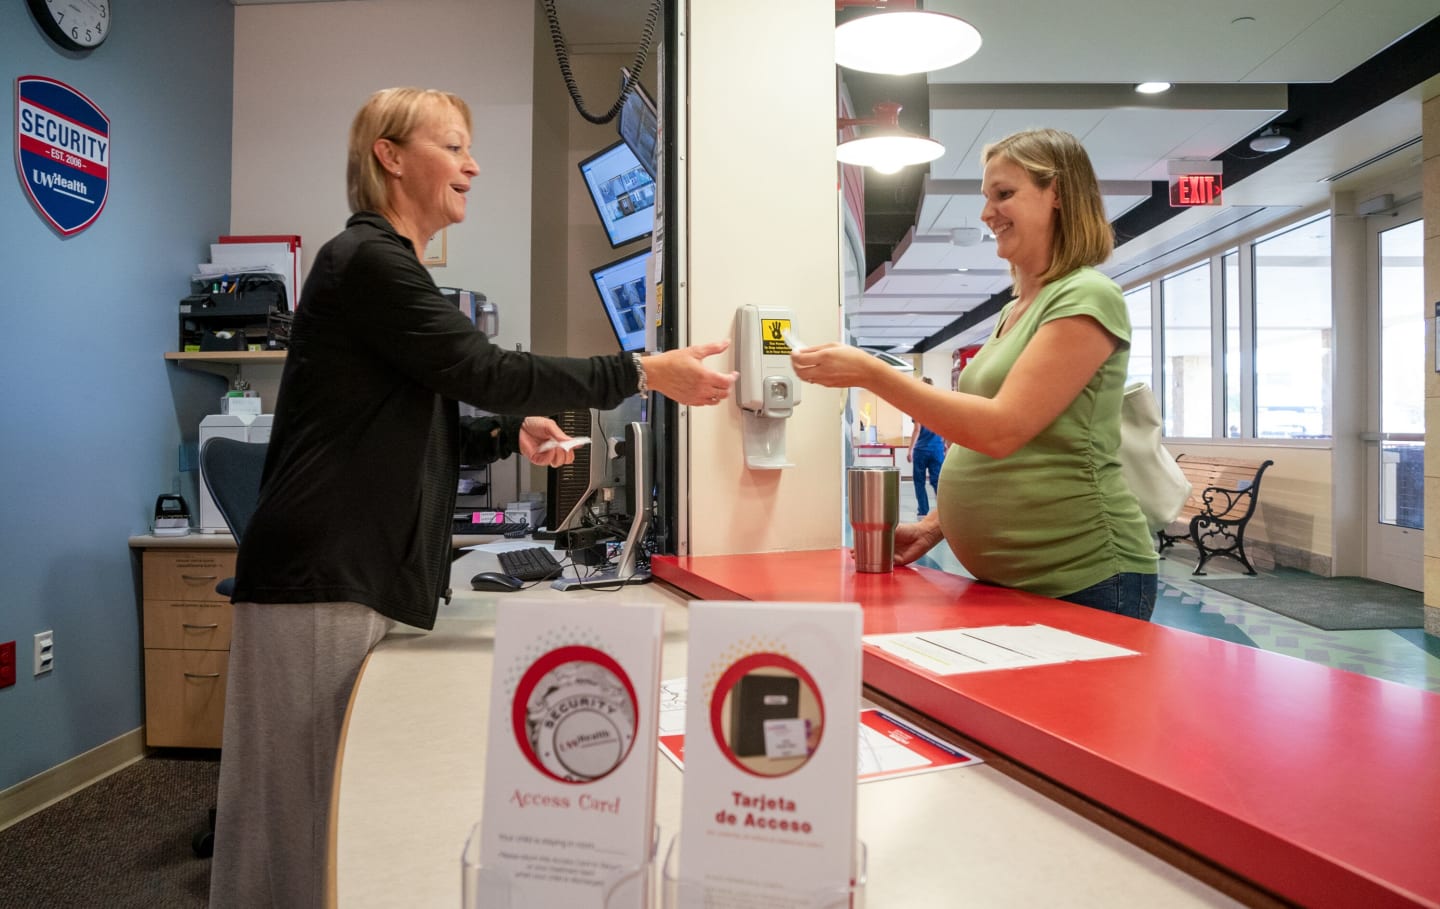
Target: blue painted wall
(91, 416)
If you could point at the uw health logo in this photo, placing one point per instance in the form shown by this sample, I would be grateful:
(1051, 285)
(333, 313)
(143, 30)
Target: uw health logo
(62, 147)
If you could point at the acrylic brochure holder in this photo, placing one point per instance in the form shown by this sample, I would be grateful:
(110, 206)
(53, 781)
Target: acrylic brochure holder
(676, 893)
(498, 888)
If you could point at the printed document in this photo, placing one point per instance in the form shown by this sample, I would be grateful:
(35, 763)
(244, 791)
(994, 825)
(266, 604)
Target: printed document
(953, 651)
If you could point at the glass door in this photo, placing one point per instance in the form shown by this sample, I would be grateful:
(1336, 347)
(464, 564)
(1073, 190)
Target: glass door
(1395, 461)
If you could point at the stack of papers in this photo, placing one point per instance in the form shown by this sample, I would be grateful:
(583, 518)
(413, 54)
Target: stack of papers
(957, 650)
(271, 254)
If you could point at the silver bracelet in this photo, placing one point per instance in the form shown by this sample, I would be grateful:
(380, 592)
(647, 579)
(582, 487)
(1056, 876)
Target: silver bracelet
(642, 385)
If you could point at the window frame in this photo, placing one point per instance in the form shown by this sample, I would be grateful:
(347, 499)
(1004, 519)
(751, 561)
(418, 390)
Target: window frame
(1244, 247)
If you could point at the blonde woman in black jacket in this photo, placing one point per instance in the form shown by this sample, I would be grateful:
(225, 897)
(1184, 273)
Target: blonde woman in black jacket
(352, 530)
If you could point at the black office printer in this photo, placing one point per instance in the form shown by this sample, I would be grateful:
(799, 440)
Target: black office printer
(234, 313)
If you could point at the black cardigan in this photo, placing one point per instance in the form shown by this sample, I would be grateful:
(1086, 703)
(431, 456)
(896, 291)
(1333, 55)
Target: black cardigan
(359, 487)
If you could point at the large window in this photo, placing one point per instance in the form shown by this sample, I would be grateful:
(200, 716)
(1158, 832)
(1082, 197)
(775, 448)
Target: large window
(1270, 323)
(1402, 361)
(1138, 302)
(1186, 372)
(1293, 332)
(1230, 267)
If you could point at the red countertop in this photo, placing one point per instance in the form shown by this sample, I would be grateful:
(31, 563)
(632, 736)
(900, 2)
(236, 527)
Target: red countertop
(1320, 785)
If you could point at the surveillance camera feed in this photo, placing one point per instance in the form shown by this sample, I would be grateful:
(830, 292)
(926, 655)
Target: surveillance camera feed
(621, 285)
(623, 193)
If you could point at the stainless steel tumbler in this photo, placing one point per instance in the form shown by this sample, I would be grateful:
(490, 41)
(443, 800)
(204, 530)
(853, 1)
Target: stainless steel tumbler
(874, 496)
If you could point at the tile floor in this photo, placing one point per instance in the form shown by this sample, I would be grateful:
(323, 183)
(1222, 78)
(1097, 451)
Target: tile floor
(1407, 656)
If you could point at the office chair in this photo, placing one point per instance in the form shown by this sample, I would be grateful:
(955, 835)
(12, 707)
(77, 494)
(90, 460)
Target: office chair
(231, 469)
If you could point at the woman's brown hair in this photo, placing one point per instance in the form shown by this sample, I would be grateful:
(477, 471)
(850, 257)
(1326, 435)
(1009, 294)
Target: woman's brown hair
(1083, 235)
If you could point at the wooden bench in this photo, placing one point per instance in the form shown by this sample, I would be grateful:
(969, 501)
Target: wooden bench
(1223, 495)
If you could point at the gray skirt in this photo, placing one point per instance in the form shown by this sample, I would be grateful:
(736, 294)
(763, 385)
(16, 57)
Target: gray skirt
(291, 671)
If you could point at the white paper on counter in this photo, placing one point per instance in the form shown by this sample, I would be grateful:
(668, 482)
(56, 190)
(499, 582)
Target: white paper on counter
(959, 650)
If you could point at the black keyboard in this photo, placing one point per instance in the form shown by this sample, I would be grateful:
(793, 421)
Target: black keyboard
(533, 564)
(464, 525)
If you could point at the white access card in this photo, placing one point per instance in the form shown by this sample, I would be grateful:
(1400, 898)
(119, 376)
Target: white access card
(568, 444)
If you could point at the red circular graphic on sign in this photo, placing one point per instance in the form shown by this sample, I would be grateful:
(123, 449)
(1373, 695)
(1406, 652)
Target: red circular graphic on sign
(574, 714)
(737, 716)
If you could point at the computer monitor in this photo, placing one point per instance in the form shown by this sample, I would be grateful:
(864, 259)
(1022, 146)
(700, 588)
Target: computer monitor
(605, 500)
(638, 124)
(598, 486)
(623, 193)
(621, 285)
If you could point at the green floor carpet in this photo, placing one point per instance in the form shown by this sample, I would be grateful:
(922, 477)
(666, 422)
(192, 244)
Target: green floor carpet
(1332, 604)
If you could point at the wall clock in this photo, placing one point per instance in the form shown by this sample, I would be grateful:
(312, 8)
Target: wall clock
(73, 24)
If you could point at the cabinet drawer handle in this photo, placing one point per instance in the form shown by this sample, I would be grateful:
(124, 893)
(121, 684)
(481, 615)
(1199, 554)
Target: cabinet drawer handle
(202, 675)
(203, 627)
(200, 577)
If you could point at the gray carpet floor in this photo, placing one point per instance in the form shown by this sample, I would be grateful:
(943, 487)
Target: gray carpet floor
(1332, 604)
(122, 842)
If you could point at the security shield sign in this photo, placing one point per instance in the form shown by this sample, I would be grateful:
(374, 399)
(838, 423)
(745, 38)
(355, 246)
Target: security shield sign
(62, 147)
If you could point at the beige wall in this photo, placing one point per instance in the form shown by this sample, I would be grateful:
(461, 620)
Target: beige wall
(586, 245)
(301, 72)
(567, 237)
(935, 364)
(763, 227)
(549, 199)
(1431, 178)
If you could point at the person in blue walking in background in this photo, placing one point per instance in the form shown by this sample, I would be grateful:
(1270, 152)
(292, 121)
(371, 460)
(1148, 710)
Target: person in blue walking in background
(926, 454)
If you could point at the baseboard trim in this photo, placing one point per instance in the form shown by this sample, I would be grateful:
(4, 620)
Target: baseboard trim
(1294, 557)
(45, 789)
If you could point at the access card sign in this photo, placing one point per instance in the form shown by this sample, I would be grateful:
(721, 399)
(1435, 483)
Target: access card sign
(569, 814)
(771, 738)
(62, 147)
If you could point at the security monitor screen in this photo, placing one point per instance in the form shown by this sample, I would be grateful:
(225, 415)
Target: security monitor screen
(638, 125)
(621, 285)
(623, 193)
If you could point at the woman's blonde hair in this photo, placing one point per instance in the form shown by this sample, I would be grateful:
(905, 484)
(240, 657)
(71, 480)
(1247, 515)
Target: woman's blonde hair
(1083, 236)
(391, 113)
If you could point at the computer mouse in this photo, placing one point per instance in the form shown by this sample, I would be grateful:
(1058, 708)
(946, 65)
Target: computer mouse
(495, 580)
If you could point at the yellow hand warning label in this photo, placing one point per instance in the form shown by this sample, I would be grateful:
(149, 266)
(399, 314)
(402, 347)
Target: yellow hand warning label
(772, 337)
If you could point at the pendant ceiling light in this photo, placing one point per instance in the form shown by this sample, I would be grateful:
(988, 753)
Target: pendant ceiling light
(900, 39)
(886, 147)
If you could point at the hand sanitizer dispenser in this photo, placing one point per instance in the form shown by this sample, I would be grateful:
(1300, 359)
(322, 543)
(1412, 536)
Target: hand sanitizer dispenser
(767, 391)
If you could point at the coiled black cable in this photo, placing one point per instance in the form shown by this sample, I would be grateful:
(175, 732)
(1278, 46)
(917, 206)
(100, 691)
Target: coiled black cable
(562, 54)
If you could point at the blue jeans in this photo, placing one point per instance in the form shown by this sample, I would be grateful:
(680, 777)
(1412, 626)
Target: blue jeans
(1127, 593)
(926, 464)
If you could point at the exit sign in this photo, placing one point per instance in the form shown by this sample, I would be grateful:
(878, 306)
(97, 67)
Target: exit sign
(1187, 190)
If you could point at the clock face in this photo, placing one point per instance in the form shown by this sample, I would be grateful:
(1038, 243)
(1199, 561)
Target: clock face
(73, 24)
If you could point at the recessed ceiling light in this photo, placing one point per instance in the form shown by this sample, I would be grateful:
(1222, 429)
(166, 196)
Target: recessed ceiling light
(1152, 88)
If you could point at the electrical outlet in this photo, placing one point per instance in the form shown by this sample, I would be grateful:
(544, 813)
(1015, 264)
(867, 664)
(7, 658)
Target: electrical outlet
(44, 652)
(7, 664)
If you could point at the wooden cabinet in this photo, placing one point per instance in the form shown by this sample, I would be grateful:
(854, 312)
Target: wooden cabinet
(187, 642)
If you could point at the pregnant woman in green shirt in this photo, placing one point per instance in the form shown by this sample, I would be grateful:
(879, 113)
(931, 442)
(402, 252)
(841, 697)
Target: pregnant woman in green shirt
(1031, 494)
